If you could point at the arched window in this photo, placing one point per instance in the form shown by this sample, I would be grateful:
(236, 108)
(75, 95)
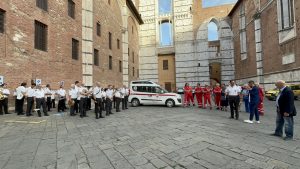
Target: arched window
(164, 6)
(166, 33)
(212, 31)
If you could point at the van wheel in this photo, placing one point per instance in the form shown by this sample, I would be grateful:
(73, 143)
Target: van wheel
(135, 102)
(170, 103)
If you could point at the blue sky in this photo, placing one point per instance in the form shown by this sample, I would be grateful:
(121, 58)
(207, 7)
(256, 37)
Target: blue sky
(210, 3)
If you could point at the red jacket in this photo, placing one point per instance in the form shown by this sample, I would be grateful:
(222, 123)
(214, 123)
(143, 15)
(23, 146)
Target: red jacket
(188, 90)
(217, 90)
(206, 91)
(199, 90)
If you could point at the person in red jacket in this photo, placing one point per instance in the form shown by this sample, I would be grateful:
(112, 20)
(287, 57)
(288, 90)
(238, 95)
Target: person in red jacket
(199, 95)
(188, 94)
(217, 91)
(206, 94)
(261, 101)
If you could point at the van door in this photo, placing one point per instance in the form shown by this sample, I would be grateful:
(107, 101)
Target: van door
(146, 95)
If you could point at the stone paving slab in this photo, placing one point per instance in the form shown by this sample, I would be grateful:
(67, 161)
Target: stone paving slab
(146, 137)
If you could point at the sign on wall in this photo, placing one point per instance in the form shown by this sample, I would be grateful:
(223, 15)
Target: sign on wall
(38, 81)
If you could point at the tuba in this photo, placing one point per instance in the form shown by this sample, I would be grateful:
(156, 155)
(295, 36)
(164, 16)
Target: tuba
(1, 94)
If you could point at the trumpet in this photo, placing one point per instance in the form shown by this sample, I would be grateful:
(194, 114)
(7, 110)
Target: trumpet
(2, 97)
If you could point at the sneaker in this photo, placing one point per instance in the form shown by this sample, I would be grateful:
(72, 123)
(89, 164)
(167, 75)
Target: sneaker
(258, 122)
(248, 121)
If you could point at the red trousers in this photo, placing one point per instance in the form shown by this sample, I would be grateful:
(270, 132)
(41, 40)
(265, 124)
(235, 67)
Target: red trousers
(188, 98)
(207, 100)
(260, 108)
(218, 100)
(199, 99)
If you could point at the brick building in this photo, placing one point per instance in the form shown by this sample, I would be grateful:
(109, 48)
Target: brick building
(68, 40)
(266, 41)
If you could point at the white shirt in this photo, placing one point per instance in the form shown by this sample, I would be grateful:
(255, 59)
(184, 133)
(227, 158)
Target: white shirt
(109, 93)
(97, 92)
(5, 92)
(126, 92)
(61, 92)
(103, 94)
(53, 94)
(81, 90)
(73, 93)
(118, 94)
(20, 90)
(123, 92)
(233, 91)
(279, 94)
(39, 93)
(30, 92)
(47, 92)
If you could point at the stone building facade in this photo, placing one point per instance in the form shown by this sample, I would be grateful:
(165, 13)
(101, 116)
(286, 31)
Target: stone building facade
(68, 40)
(189, 56)
(266, 41)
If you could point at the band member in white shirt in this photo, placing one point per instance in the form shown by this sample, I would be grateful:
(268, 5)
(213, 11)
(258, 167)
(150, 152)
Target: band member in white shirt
(97, 94)
(83, 92)
(4, 101)
(76, 105)
(89, 99)
(48, 94)
(233, 92)
(103, 91)
(109, 99)
(118, 98)
(40, 100)
(30, 93)
(114, 99)
(20, 91)
(61, 99)
(126, 97)
(73, 95)
(53, 98)
(122, 92)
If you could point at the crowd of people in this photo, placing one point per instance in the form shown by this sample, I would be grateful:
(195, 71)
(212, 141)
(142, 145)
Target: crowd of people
(223, 96)
(42, 98)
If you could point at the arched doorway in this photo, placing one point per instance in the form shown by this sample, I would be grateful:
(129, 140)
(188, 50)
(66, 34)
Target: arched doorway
(215, 73)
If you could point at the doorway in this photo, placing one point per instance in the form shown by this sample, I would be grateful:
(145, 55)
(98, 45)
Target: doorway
(215, 73)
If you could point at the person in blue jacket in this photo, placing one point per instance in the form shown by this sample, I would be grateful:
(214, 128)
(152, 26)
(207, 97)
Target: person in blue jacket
(253, 102)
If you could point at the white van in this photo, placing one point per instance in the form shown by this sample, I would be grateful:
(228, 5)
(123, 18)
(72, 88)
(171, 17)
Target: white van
(145, 92)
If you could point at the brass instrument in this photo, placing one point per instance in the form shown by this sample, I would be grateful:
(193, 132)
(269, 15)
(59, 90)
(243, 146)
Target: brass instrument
(2, 97)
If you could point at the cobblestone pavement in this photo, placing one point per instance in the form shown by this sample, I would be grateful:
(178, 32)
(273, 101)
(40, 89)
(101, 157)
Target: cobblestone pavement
(146, 138)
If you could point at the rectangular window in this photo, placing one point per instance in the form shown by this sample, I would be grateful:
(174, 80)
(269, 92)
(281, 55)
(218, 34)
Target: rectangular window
(43, 4)
(71, 9)
(40, 38)
(110, 63)
(110, 40)
(2, 20)
(118, 43)
(120, 66)
(133, 71)
(287, 13)
(96, 57)
(98, 29)
(75, 49)
(132, 57)
(165, 64)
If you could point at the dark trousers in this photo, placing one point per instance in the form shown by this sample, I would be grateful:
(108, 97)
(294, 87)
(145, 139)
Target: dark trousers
(88, 103)
(126, 102)
(82, 106)
(19, 106)
(76, 106)
(61, 105)
(30, 102)
(246, 101)
(4, 105)
(254, 111)
(104, 103)
(41, 103)
(98, 108)
(118, 101)
(123, 103)
(72, 108)
(53, 103)
(108, 106)
(114, 101)
(234, 106)
(49, 103)
(287, 123)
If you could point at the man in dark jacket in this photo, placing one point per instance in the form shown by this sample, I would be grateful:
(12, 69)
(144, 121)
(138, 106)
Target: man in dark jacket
(285, 111)
(253, 102)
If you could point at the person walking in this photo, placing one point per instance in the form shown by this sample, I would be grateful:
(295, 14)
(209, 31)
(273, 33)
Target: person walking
(61, 99)
(245, 94)
(233, 92)
(253, 103)
(261, 101)
(30, 94)
(21, 92)
(40, 101)
(48, 94)
(285, 111)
